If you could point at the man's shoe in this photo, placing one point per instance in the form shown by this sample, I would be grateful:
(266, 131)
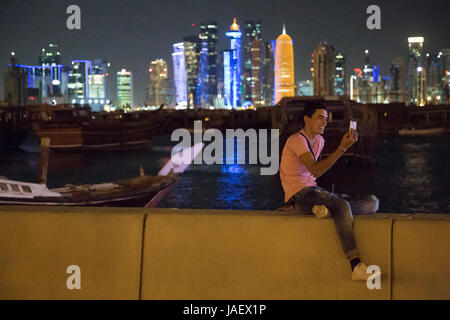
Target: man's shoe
(321, 211)
(359, 273)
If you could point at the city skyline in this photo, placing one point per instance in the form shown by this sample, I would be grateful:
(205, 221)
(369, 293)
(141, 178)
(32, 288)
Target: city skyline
(139, 35)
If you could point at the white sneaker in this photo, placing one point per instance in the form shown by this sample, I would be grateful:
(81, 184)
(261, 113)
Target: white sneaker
(321, 211)
(359, 273)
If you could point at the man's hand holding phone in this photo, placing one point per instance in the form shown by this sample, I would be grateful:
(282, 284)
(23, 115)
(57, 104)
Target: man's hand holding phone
(350, 137)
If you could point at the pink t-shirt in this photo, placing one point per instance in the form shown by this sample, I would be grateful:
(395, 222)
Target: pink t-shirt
(293, 173)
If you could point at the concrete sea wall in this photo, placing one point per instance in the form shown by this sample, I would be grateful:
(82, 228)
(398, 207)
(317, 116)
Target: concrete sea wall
(131, 253)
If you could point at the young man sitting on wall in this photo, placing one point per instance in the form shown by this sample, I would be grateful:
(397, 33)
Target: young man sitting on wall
(299, 169)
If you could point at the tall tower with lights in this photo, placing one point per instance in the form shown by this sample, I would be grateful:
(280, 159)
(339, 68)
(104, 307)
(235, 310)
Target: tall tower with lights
(125, 89)
(232, 67)
(324, 69)
(415, 73)
(158, 89)
(284, 67)
(208, 61)
(179, 72)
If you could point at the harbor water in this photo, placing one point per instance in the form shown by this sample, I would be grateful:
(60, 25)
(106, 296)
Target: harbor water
(407, 174)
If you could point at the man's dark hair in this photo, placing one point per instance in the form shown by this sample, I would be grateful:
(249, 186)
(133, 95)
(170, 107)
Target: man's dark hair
(311, 107)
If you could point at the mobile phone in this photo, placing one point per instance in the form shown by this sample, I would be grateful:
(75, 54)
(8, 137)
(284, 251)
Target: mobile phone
(352, 125)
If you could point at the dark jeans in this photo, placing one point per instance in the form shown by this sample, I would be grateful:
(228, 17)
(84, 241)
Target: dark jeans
(340, 207)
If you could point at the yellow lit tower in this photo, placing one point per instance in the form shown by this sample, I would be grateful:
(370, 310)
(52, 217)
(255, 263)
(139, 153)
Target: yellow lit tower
(284, 67)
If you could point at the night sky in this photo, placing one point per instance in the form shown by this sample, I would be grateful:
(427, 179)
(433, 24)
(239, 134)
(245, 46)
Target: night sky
(132, 33)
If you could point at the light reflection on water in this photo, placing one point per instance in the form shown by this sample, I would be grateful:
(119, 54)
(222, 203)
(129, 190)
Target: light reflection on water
(408, 175)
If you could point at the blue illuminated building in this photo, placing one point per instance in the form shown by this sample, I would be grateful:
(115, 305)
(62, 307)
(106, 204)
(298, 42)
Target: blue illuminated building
(179, 71)
(232, 67)
(44, 84)
(227, 77)
(376, 73)
(203, 83)
(87, 83)
(208, 59)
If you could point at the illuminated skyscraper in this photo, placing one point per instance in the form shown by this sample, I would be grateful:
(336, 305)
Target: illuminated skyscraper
(78, 86)
(98, 85)
(397, 86)
(251, 82)
(415, 76)
(232, 65)
(339, 76)
(87, 83)
(208, 37)
(267, 82)
(324, 69)
(192, 47)
(284, 67)
(203, 79)
(179, 72)
(158, 90)
(46, 83)
(227, 80)
(52, 72)
(97, 80)
(125, 89)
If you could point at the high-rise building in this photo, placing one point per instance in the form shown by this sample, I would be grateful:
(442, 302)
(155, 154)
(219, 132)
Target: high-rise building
(284, 67)
(232, 62)
(227, 77)
(366, 85)
(192, 48)
(52, 72)
(203, 78)
(208, 38)
(252, 61)
(433, 90)
(179, 75)
(158, 89)
(220, 81)
(87, 83)
(339, 77)
(78, 85)
(16, 83)
(98, 80)
(256, 77)
(324, 69)
(416, 76)
(267, 82)
(444, 73)
(98, 85)
(125, 89)
(397, 87)
(46, 83)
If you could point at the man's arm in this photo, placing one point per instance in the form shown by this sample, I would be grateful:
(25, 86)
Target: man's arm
(319, 168)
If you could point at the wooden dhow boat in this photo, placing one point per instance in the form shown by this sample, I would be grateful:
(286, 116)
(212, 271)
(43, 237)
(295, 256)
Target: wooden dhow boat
(134, 192)
(142, 191)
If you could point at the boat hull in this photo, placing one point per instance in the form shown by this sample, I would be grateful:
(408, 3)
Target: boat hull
(125, 201)
(421, 132)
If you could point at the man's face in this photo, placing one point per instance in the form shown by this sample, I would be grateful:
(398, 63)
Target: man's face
(318, 121)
